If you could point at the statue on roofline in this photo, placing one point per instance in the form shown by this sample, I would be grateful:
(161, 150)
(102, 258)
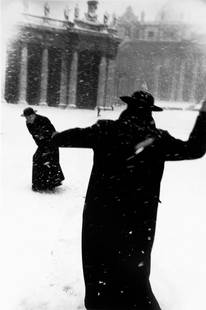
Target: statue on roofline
(91, 13)
(66, 13)
(106, 18)
(76, 12)
(46, 9)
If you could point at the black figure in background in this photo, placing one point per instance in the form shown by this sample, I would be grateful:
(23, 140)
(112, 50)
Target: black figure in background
(46, 172)
(121, 204)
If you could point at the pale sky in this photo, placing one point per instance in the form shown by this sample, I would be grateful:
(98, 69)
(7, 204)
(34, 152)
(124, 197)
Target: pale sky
(193, 9)
(119, 6)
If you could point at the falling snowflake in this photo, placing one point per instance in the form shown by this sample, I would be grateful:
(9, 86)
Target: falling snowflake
(141, 264)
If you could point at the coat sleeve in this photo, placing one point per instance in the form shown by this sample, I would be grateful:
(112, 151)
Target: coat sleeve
(193, 148)
(41, 130)
(46, 130)
(87, 137)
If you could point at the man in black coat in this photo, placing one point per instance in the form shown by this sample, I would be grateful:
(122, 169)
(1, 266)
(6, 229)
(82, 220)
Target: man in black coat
(120, 209)
(46, 172)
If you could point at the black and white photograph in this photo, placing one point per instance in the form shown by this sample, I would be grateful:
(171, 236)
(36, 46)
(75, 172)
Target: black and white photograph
(102, 155)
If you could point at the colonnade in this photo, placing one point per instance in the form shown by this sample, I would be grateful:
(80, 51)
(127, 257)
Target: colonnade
(68, 75)
(171, 77)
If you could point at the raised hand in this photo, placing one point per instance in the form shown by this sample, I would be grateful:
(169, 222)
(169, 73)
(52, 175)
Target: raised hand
(203, 107)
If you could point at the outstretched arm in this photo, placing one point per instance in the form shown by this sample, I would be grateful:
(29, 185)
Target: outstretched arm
(88, 137)
(194, 147)
(77, 137)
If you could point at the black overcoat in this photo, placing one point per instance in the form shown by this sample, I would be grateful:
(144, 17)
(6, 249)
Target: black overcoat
(46, 170)
(120, 210)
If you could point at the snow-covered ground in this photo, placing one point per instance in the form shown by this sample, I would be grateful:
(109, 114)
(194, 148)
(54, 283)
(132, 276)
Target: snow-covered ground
(40, 247)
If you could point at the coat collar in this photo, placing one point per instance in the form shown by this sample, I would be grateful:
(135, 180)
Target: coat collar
(149, 122)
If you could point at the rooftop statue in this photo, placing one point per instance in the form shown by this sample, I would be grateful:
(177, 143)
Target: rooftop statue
(76, 12)
(66, 13)
(91, 13)
(46, 9)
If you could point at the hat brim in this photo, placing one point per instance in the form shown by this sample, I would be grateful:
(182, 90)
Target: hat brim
(29, 114)
(130, 100)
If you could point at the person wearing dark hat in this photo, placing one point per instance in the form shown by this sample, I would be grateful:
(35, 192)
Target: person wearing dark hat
(46, 172)
(120, 211)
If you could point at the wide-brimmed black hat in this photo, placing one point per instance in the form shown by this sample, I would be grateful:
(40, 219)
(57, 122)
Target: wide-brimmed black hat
(141, 100)
(28, 111)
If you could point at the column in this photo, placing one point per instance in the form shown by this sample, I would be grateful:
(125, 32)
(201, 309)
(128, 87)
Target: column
(194, 81)
(63, 82)
(5, 65)
(44, 77)
(102, 82)
(110, 83)
(156, 79)
(180, 86)
(174, 81)
(73, 80)
(203, 76)
(23, 74)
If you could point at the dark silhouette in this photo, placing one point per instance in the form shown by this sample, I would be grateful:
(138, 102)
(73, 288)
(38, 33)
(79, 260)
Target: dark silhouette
(119, 216)
(98, 111)
(46, 172)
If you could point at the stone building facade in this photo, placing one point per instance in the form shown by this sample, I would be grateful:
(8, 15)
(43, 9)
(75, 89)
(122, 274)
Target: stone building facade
(86, 63)
(61, 62)
(165, 56)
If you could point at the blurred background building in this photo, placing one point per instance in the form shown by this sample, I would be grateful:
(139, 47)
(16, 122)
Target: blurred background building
(68, 56)
(66, 60)
(167, 56)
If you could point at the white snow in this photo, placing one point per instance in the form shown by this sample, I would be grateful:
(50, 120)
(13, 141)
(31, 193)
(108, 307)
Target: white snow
(40, 258)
